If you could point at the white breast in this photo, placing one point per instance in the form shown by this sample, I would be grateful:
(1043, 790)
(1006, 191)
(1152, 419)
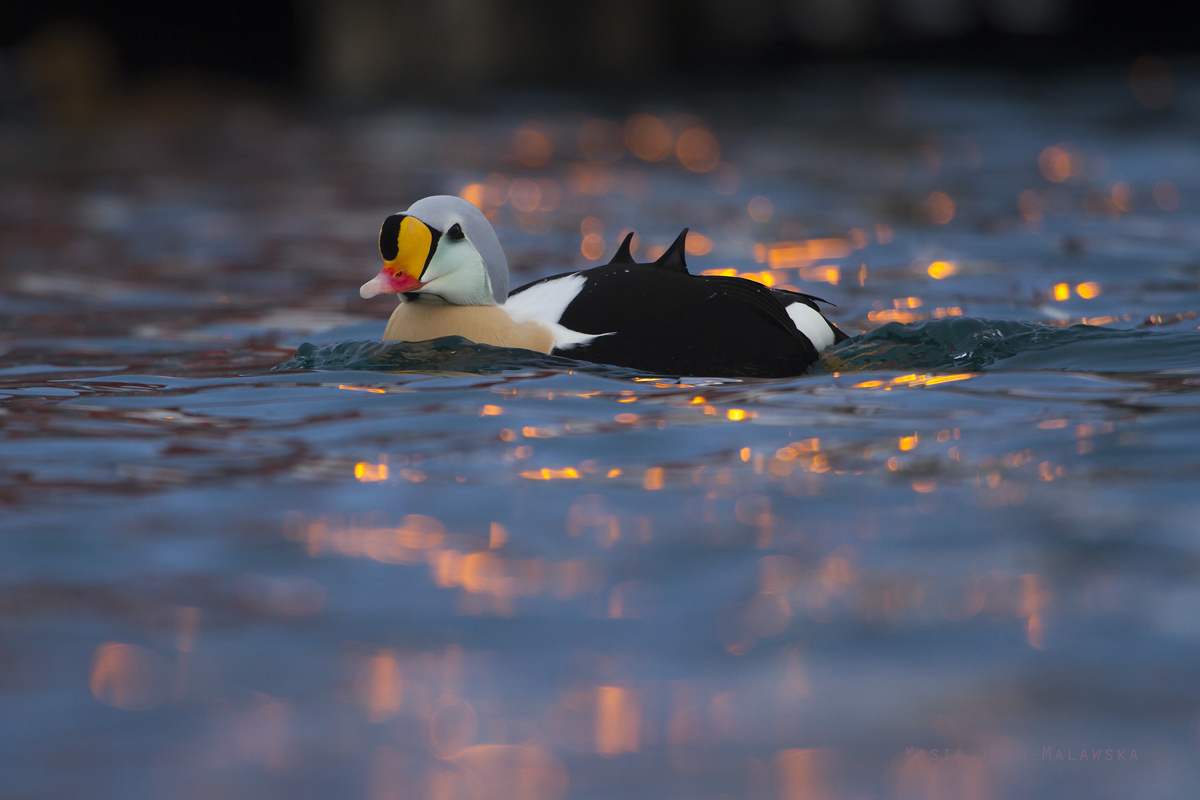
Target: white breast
(811, 324)
(545, 303)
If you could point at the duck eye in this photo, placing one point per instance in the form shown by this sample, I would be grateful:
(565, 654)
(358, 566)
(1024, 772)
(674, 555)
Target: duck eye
(455, 233)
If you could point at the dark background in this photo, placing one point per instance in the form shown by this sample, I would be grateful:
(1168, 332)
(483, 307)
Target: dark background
(369, 49)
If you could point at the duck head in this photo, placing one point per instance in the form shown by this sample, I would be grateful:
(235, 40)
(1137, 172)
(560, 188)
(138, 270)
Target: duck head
(441, 248)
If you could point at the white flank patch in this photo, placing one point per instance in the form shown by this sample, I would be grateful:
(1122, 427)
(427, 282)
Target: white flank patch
(546, 302)
(812, 325)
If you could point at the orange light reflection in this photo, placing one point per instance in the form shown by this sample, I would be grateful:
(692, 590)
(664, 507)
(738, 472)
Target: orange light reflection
(618, 720)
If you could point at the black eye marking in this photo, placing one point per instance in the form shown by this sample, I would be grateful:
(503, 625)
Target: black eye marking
(455, 233)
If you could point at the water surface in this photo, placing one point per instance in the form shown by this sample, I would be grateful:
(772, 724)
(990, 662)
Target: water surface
(248, 552)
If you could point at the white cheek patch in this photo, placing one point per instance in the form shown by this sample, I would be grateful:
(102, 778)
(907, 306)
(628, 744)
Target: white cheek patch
(811, 324)
(545, 303)
(456, 273)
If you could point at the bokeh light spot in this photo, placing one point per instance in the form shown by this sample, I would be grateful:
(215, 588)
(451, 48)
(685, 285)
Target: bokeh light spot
(761, 209)
(698, 150)
(648, 137)
(532, 145)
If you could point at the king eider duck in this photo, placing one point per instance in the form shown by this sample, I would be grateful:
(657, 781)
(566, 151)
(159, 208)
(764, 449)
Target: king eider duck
(443, 259)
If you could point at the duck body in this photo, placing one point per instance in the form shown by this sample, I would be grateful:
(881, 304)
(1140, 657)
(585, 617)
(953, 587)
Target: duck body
(658, 320)
(655, 317)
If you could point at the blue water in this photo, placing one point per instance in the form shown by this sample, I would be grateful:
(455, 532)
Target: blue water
(249, 551)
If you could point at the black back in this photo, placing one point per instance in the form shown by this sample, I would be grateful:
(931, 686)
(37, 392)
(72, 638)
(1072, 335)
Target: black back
(660, 318)
(678, 324)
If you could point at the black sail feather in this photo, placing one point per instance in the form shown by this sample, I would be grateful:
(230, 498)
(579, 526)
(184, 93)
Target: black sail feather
(623, 256)
(673, 259)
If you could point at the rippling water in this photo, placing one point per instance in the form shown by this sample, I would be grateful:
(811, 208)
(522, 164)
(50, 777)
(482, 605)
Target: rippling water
(246, 551)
